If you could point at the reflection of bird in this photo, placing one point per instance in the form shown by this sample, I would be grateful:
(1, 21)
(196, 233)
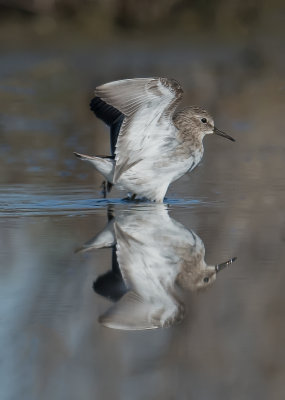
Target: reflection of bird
(154, 256)
(152, 144)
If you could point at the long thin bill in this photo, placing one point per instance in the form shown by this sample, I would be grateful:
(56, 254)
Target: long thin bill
(224, 265)
(223, 134)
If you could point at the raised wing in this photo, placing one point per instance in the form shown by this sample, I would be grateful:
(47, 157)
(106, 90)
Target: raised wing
(111, 116)
(148, 105)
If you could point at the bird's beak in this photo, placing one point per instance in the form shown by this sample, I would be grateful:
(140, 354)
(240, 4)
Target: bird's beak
(224, 265)
(221, 133)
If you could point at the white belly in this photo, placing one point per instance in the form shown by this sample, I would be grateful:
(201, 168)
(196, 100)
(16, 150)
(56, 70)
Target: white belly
(151, 179)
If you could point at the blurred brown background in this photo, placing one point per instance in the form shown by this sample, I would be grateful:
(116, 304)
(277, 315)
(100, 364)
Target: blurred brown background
(228, 56)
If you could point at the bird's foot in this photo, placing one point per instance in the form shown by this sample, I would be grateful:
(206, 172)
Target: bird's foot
(130, 197)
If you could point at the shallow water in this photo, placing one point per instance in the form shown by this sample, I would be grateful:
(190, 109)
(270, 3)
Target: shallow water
(230, 341)
(53, 345)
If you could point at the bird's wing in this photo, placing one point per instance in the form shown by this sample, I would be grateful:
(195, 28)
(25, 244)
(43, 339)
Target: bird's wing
(111, 116)
(148, 105)
(133, 312)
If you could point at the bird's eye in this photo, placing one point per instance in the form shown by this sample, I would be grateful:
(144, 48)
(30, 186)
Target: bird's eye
(204, 120)
(206, 280)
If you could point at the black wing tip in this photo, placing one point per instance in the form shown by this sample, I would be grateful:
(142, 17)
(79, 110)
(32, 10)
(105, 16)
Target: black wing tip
(104, 111)
(94, 102)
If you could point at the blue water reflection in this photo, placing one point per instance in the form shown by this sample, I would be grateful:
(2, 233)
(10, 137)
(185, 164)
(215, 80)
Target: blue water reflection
(153, 257)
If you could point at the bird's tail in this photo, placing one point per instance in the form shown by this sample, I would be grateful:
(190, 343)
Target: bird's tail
(106, 238)
(104, 165)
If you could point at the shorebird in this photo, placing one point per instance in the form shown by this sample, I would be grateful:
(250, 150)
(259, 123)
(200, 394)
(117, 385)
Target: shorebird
(152, 144)
(153, 256)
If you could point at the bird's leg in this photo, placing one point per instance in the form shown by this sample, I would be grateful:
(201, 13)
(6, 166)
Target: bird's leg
(104, 189)
(109, 186)
(110, 213)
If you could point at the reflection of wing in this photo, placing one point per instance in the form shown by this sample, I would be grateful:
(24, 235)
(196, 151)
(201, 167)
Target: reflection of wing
(147, 255)
(111, 284)
(134, 312)
(148, 105)
(151, 247)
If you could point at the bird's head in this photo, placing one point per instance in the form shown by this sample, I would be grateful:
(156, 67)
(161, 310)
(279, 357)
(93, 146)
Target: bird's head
(198, 121)
(197, 276)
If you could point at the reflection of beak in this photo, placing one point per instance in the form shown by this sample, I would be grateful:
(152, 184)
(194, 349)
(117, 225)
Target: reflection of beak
(219, 267)
(221, 133)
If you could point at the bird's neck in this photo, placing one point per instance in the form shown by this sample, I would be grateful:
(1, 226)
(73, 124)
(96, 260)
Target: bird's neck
(191, 140)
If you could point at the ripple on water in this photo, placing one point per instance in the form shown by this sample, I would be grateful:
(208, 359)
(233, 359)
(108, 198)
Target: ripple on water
(25, 200)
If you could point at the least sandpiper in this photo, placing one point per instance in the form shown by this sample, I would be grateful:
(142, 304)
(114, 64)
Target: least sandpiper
(152, 144)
